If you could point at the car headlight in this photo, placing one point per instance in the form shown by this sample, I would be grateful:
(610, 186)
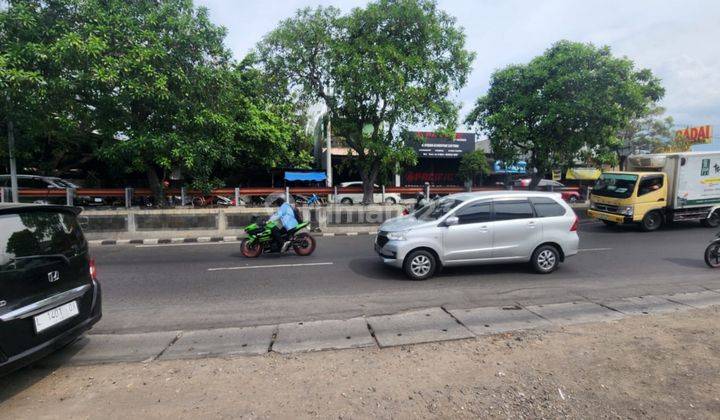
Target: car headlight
(396, 236)
(626, 210)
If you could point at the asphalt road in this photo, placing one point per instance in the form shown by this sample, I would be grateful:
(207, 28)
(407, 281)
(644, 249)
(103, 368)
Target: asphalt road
(209, 285)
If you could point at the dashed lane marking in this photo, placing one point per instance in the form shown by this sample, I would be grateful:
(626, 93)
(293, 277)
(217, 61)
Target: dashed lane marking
(250, 267)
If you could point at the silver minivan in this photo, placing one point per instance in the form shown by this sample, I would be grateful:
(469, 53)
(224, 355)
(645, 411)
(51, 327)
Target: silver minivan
(481, 228)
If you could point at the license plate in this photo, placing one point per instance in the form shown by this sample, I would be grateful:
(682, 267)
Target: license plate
(55, 316)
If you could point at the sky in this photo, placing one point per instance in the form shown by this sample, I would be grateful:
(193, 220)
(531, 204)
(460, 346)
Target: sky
(678, 40)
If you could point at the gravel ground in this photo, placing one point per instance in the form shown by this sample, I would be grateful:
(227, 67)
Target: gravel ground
(641, 367)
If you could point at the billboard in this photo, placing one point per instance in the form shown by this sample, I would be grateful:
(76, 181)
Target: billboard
(695, 135)
(428, 144)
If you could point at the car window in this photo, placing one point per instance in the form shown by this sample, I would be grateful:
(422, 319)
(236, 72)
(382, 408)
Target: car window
(547, 207)
(32, 183)
(36, 234)
(512, 209)
(474, 213)
(650, 184)
(436, 209)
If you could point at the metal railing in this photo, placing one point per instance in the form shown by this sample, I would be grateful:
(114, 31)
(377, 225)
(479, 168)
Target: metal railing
(128, 197)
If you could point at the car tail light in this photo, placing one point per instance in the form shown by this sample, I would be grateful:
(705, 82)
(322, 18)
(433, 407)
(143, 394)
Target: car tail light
(574, 226)
(93, 270)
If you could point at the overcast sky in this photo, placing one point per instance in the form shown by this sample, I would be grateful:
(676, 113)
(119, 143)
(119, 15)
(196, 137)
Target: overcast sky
(678, 40)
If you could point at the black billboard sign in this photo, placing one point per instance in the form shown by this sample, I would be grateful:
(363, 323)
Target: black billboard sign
(428, 144)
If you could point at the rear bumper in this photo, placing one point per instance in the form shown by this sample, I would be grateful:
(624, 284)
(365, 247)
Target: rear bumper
(29, 356)
(616, 218)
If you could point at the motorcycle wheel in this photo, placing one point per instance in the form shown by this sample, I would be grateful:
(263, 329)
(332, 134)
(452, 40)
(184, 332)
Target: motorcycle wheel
(250, 250)
(712, 255)
(303, 244)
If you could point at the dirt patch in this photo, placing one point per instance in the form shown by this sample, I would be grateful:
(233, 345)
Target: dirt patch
(649, 367)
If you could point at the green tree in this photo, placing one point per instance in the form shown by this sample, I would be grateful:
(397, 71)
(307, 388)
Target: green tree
(572, 98)
(378, 69)
(648, 132)
(473, 164)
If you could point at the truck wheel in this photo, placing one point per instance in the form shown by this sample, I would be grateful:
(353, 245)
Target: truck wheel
(420, 265)
(712, 221)
(347, 201)
(652, 221)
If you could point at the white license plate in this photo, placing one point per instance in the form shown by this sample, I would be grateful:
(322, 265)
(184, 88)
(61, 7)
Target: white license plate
(55, 316)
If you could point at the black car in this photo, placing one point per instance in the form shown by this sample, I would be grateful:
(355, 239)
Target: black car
(48, 291)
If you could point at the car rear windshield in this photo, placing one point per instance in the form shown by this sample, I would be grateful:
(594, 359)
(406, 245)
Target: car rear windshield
(38, 235)
(436, 209)
(615, 185)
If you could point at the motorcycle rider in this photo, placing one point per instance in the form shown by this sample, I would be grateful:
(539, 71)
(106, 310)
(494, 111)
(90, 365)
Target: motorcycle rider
(286, 215)
(421, 201)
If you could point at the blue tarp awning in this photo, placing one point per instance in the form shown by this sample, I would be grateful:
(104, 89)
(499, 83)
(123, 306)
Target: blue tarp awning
(305, 176)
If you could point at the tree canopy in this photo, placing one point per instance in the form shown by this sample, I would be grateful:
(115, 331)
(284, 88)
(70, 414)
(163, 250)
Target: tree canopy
(575, 97)
(378, 69)
(146, 85)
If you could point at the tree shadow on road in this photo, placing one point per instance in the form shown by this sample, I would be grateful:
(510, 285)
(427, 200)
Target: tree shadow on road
(687, 262)
(374, 269)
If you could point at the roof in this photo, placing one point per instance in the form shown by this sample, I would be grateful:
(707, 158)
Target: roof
(678, 154)
(502, 194)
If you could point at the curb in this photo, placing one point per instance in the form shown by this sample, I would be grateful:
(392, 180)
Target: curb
(201, 239)
(414, 326)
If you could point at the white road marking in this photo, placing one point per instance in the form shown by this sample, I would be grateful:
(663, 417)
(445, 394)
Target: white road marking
(188, 244)
(594, 249)
(249, 267)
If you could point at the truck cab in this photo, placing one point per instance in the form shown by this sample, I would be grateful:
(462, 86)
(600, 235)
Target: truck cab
(659, 189)
(630, 197)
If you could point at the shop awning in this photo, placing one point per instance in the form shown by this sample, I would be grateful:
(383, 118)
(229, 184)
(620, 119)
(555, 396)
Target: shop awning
(305, 176)
(583, 174)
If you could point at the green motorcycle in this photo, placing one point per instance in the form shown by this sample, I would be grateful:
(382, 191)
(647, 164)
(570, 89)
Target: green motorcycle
(260, 239)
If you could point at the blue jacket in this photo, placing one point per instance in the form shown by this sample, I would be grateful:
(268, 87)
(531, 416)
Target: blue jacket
(286, 215)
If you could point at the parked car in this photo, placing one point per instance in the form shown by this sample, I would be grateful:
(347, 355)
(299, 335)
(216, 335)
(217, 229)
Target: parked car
(481, 228)
(48, 183)
(49, 293)
(569, 194)
(352, 198)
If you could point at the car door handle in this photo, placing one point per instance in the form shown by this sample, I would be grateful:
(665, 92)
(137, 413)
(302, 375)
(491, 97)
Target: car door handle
(661, 199)
(483, 228)
(531, 225)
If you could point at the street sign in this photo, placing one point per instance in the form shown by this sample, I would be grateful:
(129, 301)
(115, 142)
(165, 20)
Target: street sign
(695, 135)
(428, 144)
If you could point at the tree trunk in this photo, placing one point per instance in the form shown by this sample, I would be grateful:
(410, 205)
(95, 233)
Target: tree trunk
(156, 186)
(368, 178)
(535, 180)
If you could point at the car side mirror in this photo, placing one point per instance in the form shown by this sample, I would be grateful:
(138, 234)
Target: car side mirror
(451, 221)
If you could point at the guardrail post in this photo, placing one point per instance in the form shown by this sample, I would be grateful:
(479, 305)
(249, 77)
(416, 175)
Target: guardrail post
(237, 196)
(427, 190)
(287, 194)
(128, 197)
(69, 195)
(3, 194)
(334, 194)
(183, 195)
(383, 194)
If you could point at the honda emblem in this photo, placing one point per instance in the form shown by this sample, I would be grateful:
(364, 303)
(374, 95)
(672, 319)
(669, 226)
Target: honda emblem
(53, 276)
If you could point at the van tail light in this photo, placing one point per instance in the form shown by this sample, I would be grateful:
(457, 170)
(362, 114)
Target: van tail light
(574, 226)
(93, 270)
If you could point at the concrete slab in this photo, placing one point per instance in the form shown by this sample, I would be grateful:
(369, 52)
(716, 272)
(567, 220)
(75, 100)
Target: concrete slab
(221, 342)
(102, 348)
(432, 324)
(644, 305)
(321, 335)
(695, 299)
(497, 320)
(574, 312)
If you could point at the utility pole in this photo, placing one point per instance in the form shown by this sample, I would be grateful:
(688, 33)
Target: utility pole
(328, 154)
(11, 154)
